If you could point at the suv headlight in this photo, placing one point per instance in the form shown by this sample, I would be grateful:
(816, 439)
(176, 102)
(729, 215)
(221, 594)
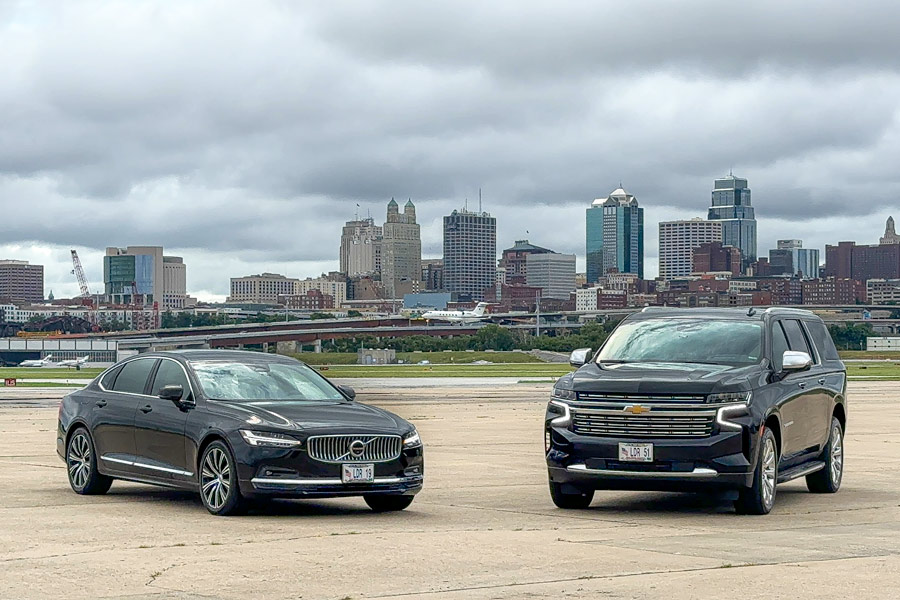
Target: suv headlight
(267, 439)
(562, 409)
(559, 394)
(412, 439)
(729, 398)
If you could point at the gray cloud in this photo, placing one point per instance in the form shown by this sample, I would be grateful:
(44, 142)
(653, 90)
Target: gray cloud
(250, 131)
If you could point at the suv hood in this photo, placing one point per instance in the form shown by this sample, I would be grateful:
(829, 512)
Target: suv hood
(306, 415)
(659, 378)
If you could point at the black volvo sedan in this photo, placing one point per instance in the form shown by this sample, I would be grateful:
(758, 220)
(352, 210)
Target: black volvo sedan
(235, 425)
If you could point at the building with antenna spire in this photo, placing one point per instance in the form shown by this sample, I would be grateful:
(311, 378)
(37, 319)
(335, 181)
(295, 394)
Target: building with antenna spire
(470, 253)
(731, 207)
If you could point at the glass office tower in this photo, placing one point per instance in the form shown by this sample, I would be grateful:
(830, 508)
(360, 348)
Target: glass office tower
(615, 236)
(731, 206)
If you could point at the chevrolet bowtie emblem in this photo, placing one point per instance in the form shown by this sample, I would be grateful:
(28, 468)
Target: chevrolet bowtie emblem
(636, 409)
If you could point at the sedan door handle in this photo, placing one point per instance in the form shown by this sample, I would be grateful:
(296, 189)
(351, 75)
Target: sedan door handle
(146, 409)
(101, 403)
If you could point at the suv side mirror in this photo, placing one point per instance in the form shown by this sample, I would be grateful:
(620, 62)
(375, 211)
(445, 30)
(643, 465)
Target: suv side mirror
(795, 361)
(347, 391)
(172, 392)
(580, 357)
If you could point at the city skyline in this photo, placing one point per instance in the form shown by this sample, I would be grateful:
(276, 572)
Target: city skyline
(253, 165)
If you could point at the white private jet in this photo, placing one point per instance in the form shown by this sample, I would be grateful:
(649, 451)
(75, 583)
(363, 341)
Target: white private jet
(457, 316)
(75, 363)
(44, 362)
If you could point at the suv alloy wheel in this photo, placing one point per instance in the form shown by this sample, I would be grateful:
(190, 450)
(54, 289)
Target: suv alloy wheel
(828, 480)
(760, 497)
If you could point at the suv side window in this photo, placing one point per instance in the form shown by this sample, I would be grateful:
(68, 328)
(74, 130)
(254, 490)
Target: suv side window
(779, 345)
(133, 377)
(170, 373)
(822, 339)
(796, 337)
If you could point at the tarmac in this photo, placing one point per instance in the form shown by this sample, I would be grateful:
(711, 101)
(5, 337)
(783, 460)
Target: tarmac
(483, 527)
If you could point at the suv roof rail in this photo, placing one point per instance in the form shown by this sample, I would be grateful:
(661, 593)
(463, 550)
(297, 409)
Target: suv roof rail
(789, 310)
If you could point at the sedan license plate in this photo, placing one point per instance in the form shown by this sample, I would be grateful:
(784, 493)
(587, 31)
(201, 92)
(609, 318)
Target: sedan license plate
(636, 452)
(358, 473)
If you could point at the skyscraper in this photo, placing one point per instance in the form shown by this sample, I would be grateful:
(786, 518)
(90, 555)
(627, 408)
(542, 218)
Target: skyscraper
(731, 206)
(890, 234)
(470, 253)
(361, 247)
(615, 236)
(677, 242)
(401, 248)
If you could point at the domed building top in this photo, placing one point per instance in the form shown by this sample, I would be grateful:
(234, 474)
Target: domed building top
(618, 196)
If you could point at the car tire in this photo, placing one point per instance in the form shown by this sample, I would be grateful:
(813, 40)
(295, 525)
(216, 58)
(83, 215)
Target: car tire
(828, 480)
(760, 497)
(219, 489)
(581, 499)
(387, 503)
(81, 465)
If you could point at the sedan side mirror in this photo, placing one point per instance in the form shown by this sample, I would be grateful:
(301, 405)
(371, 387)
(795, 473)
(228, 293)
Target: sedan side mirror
(795, 361)
(580, 357)
(172, 392)
(347, 391)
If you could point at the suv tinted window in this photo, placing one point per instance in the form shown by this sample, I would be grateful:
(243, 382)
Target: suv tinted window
(779, 346)
(133, 376)
(796, 337)
(170, 373)
(822, 339)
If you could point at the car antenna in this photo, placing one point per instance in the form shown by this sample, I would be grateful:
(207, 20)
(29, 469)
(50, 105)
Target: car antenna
(751, 312)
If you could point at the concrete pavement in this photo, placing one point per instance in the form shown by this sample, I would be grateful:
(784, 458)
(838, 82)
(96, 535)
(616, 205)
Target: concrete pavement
(484, 526)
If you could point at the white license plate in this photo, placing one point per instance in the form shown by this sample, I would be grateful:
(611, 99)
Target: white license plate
(358, 473)
(636, 452)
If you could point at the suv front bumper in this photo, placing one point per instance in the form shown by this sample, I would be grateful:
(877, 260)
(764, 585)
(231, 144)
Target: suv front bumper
(718, 461)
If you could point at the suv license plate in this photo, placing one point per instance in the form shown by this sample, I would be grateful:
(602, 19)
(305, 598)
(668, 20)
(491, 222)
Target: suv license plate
(636, 452)
(358, 473)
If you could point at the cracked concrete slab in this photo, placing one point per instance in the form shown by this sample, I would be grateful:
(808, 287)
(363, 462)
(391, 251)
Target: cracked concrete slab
(484, 526)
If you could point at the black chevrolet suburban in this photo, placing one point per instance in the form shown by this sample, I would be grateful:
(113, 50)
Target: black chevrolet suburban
(734, 400)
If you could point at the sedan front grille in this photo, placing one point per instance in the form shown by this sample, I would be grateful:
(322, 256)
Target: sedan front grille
(620, 424)
(354, 448)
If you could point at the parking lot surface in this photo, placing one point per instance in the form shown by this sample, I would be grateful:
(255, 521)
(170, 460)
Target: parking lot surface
(484, 526)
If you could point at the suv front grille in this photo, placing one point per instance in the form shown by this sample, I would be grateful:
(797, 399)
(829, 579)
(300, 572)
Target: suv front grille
(601, 423)
(338, 448)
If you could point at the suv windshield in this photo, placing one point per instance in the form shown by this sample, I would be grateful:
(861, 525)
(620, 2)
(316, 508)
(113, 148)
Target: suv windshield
(707, 341)
(251, 381)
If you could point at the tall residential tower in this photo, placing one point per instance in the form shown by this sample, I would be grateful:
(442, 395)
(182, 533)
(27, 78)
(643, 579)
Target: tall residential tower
(615, 236)
(470, 253)
(731, 206)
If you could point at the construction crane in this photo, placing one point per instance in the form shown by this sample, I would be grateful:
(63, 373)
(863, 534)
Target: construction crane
(78, 271)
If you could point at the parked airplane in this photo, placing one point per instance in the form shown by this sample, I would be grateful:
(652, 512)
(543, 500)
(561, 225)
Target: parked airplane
(44, 362)
(457, 315)
(76, 363)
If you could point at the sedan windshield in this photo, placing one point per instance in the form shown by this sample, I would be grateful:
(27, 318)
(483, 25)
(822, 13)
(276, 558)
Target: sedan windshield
(253, 381)
(706, 341)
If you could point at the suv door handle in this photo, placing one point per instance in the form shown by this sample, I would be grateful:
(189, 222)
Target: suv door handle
(101, 403)
(146, 409)
(822, 381)
(802, 384)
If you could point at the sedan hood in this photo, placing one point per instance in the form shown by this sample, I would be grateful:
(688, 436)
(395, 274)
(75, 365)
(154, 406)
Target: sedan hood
(659, 378)
(311, 416)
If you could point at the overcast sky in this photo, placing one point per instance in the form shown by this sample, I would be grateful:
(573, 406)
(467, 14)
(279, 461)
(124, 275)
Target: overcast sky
(241, 135)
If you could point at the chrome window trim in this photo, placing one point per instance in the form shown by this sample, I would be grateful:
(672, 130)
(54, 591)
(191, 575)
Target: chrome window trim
(134, 358)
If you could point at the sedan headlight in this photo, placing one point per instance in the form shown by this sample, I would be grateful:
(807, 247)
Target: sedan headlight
(412, 439)
(267, 439)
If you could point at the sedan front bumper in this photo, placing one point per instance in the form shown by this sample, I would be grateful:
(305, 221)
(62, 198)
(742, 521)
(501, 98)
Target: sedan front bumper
(331, 487)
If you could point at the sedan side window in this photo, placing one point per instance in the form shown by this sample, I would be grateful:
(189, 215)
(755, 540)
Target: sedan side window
(133, 376)
(109, 378)
(170, 373)
(779, 346)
